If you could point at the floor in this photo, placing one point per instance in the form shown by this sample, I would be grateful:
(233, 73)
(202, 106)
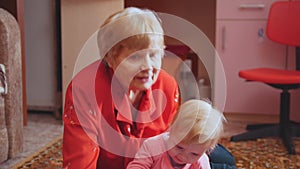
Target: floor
(42, 128)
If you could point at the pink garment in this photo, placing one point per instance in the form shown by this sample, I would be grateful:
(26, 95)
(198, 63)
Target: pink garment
(153, 155)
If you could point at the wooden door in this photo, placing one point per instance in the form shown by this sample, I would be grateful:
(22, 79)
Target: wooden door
(243, 45)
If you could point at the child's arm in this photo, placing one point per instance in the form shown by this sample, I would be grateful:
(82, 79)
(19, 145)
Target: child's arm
(143, 158)
(147, 156)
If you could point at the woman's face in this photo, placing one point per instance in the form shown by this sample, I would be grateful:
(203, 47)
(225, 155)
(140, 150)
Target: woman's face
(138, 69)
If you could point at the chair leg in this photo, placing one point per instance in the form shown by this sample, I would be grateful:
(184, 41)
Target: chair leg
(285, 129)
(272, 131)
(285, 124)
(258, 126)
(287, 140)
(295, 129)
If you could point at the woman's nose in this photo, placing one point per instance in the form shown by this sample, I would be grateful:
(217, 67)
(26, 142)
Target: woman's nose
(146, 63)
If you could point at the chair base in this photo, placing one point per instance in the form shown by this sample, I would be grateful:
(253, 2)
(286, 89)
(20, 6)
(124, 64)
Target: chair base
(285, 132)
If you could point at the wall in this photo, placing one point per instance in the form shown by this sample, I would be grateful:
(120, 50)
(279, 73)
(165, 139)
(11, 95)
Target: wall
(39, 18)
(79, 21)
(200, 13)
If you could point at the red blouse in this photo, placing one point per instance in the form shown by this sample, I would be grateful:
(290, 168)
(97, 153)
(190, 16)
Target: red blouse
(98, 127)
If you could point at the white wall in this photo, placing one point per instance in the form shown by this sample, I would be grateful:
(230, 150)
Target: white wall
(80, 19)
(39, 21)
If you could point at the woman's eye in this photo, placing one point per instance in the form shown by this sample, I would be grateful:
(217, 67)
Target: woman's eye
(179, 147)
(133, 57)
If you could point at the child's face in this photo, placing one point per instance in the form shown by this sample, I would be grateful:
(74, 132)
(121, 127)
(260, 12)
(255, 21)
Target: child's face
(138, 69)
(187, 153)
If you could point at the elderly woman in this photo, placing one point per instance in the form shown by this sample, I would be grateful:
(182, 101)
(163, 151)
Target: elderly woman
(114, 104)
(121, 97)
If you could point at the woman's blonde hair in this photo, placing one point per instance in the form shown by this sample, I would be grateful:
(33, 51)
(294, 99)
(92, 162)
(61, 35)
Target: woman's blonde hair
(197, 122)
(132, 27)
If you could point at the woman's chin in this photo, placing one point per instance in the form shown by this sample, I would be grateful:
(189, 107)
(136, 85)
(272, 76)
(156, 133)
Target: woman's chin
(142, 86)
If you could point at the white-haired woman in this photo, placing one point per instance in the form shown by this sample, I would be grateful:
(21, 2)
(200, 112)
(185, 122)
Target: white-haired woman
(115, 103)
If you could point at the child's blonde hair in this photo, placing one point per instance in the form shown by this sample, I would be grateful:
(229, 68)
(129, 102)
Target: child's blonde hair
(197, 122)
(133, 28)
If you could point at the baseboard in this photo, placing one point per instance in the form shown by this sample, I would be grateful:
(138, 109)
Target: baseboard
(251, 118)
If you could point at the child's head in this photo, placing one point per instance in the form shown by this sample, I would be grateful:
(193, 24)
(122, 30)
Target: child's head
(133, 28)
(196, 129)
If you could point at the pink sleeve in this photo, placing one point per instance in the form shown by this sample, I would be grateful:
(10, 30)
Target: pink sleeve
(142, 160)
(79, 150)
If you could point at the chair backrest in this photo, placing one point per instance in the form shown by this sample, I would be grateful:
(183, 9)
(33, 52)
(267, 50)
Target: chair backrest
(10, 57)
(283, 24)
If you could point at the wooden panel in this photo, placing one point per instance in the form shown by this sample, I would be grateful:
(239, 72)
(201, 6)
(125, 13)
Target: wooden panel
(243, 9)
(253, 50)
(41, 54)
(79, 21)
(200, 13)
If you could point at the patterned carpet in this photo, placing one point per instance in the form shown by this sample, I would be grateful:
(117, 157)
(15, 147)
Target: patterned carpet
(259, 154)
(263, 153)
(42, 129)
(49, 157)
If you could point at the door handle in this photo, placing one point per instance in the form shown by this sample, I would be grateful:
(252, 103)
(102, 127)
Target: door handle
(252, 6)
(223, 38)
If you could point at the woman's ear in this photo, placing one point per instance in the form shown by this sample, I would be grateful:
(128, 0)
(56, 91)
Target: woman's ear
(113, 54)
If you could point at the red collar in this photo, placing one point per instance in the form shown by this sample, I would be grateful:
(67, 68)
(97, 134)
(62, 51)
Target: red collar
(124, 106)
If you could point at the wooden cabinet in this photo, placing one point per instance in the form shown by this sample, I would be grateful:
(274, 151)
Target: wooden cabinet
(243, 9)
(242, 44)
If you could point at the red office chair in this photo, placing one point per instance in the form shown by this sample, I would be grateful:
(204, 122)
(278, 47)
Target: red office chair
(283, 26)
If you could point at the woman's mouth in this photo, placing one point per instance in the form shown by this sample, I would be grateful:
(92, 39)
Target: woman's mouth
(144, 79)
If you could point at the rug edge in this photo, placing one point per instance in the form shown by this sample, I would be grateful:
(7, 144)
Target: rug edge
(21, 163)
